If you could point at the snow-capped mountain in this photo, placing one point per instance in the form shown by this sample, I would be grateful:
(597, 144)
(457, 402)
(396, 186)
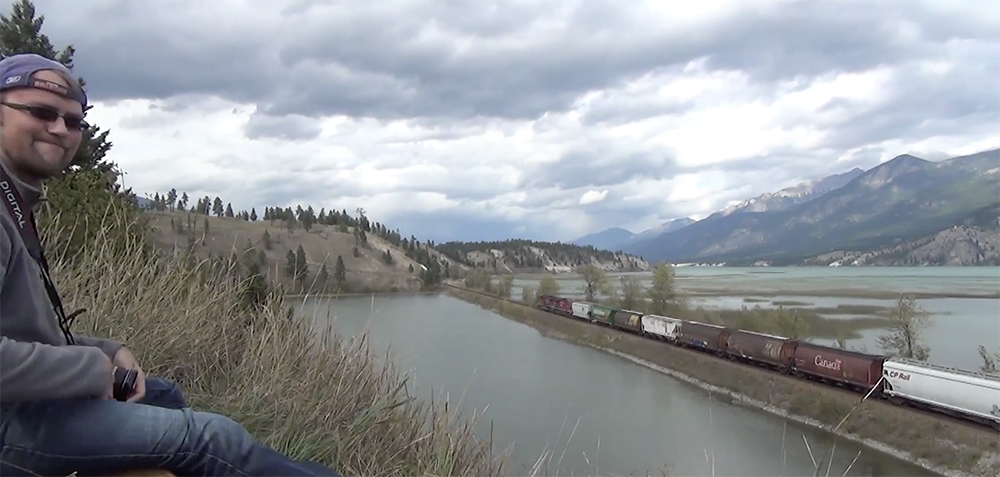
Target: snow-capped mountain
(790, 196)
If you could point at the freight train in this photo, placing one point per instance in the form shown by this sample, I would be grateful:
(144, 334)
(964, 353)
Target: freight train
(968, 395)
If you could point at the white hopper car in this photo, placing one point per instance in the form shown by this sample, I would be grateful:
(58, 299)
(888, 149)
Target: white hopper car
(581, 310)
(974, 394)
(661, 327)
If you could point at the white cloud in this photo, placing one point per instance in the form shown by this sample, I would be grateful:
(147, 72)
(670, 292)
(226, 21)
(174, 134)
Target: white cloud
(593, 197)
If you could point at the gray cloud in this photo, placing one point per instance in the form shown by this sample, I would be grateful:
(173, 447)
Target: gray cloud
(598, 164)
(923, 103)
(473, 226)
(444, 226)
(457, 69)
(385, 60)
(291, 128)
(809, 39)
(616, 112)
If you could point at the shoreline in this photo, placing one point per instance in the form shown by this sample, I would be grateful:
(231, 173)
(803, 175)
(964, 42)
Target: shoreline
(698, 291)
(900, 418)
(748, 402)
(362, 294)
(709, 293)
(827, 293)
(680, 266)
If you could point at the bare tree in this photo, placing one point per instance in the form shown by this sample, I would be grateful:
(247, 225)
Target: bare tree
(663, 293)
(594, 280)
(504, 285)
(528, 295)
(548, 286)
(907, 325)
(989, 360)
(631, 293)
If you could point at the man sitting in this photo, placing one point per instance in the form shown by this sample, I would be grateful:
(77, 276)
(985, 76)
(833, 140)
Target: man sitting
(58, 409)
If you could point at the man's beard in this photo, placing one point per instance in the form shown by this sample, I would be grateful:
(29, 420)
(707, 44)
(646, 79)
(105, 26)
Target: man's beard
(33, 167)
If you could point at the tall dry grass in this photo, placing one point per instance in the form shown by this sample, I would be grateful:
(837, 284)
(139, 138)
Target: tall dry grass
(309, 395)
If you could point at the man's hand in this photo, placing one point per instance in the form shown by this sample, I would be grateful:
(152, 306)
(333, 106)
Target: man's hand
(109, 390)
(124, 359)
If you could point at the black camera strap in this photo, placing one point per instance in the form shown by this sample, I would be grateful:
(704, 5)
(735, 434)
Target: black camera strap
(25, 221)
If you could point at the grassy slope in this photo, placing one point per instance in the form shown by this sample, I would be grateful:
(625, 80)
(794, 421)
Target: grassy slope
(322, 243)
(337, 402)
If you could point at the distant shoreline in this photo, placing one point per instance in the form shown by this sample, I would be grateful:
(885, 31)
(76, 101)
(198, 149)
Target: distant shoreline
(761, 269)
(362, 294)
(838, 293)
(707, 292)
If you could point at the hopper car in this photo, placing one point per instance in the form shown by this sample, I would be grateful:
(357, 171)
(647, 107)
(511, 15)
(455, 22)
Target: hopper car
(704, 336)
(661, 327)
(750, 346)
(601, 314)
(627, 320)
(581, 310)
(954, 391)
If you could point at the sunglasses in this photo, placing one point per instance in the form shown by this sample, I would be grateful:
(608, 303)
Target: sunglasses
(50, 114)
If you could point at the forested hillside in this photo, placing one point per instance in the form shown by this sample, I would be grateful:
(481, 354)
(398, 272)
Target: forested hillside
(527, 256)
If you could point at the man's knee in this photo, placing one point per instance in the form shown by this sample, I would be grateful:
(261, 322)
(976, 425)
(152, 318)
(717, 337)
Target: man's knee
(163, 393)
(217, 429)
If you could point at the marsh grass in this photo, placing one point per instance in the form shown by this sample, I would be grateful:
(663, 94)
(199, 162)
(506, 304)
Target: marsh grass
(822, 467)
(854, 309)
(788, 303)
(826, 459)
(769, 320)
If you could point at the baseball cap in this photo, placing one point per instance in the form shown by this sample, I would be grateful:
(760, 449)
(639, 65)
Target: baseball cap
(17, 71)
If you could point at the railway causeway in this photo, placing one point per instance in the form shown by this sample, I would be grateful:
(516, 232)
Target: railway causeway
(941, 443)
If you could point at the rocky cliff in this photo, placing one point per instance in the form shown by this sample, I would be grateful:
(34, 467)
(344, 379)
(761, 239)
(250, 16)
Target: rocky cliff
(975, 240)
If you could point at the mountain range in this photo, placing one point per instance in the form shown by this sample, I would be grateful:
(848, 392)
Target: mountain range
(906, 200)
(616, 238)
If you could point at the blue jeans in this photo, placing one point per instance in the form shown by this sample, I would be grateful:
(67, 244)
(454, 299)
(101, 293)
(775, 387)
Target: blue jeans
(101, 437)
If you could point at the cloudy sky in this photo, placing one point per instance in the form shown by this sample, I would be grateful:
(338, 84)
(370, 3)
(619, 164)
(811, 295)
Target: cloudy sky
(541, 119)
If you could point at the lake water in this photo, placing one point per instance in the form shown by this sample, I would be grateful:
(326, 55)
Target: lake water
(628, 419)
(958, 325)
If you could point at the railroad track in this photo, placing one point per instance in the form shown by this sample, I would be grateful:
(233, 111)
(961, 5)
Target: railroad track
(875, 399)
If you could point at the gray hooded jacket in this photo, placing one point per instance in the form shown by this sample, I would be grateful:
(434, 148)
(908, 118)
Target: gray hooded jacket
(36, 362)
